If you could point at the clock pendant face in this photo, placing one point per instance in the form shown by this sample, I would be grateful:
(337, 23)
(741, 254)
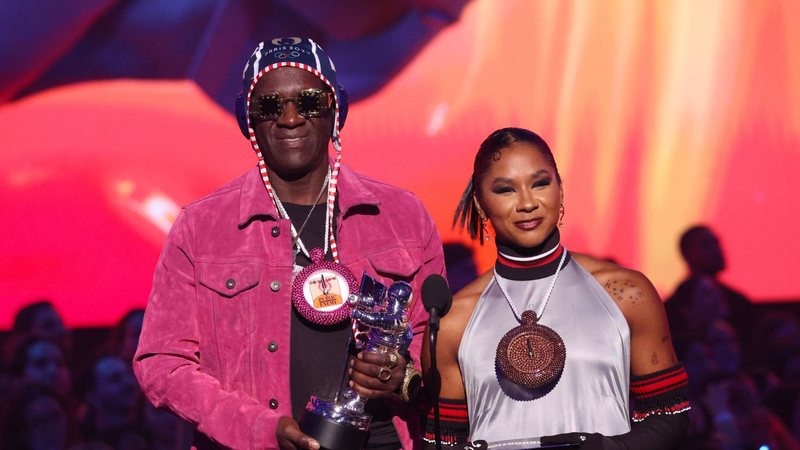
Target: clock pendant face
(531, 355)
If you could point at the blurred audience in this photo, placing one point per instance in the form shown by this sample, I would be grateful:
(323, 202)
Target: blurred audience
(112, 404)
(40, 318)
(744, 370)
(741, 419)
(739, 365)
(779, 334)
(460, 265)
(41, 361)
(41, 407)
(702, 298)
(166, 431)
(125, 336)
(726, 353)
(35, 417)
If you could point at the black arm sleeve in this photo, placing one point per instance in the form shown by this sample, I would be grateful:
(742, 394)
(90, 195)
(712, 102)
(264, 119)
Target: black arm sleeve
(661, 418)
(656, 432)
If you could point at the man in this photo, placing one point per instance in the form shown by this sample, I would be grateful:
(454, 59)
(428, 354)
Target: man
(224, 344)
(702, 298)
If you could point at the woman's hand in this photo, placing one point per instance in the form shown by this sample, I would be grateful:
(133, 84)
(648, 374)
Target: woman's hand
(376, 375)
(291, 438)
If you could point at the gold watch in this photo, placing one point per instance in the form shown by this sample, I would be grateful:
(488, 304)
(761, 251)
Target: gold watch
(411, 384)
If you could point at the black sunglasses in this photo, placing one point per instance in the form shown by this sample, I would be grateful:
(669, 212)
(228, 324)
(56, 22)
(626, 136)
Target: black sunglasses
(309, 103)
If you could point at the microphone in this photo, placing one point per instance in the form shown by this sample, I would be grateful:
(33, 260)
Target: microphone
(437, 299)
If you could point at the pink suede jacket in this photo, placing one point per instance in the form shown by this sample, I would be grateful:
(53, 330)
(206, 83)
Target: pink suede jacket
(214, 346)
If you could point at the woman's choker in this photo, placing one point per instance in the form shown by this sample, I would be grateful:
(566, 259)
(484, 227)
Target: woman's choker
(519, 263)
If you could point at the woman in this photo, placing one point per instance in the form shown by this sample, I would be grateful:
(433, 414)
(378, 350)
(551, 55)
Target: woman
(545, 347)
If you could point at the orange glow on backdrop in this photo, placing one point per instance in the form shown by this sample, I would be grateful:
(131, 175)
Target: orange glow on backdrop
(660, 114)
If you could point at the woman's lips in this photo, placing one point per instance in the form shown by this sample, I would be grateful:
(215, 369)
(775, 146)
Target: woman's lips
(528, 225)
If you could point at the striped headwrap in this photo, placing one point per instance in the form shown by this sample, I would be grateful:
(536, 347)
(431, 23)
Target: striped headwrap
(305, 54)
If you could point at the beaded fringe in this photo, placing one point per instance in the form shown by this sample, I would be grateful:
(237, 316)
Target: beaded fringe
(678, 408)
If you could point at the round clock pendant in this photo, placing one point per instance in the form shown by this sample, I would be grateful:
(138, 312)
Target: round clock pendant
(531, 355)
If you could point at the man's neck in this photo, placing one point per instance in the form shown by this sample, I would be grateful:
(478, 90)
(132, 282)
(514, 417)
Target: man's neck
(303, 190)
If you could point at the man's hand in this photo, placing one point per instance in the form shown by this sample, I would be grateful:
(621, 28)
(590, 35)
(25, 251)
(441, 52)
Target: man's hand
(291, 438)
(376, 375)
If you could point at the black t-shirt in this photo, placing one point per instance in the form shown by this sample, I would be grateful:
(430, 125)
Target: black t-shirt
(320, 354)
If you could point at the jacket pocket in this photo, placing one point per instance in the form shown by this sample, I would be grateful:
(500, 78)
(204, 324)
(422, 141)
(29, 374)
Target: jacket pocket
(226, 296)
(229, 280)
(397, 262)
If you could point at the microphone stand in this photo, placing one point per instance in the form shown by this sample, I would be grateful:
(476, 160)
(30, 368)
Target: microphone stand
(434, 331)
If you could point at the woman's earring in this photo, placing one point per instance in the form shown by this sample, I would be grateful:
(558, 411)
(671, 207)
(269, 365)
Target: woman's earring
(484, 228)
(561, 217)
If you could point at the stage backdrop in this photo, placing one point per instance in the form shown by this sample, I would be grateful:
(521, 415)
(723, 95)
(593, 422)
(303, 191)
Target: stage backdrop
(661, 115)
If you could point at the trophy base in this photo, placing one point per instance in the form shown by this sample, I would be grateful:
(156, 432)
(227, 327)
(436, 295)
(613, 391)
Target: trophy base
(332, 435)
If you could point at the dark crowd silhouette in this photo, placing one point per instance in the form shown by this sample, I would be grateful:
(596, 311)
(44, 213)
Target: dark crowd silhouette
(742, 358)
(75, 389)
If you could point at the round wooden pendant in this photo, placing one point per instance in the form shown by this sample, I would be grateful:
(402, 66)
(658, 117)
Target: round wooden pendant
(531, 355)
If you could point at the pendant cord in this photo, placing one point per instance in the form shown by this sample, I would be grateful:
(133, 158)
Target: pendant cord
(316, 202)
(546, 294)
(296, 241)
(330, 241)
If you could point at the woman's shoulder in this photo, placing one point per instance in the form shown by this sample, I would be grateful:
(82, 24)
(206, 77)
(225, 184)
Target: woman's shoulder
(464, 302)
(627, 287)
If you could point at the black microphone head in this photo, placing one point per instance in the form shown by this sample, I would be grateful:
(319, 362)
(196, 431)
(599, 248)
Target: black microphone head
(436, 294)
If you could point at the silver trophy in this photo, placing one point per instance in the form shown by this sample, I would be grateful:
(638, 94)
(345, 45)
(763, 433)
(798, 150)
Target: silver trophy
(380, 324)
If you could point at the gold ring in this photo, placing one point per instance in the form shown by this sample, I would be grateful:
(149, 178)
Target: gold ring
(385, 374)
(392, 360)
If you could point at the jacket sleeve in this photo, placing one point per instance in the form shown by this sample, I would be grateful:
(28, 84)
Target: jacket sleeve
(433, 263)
(409, 417)
(167, 360)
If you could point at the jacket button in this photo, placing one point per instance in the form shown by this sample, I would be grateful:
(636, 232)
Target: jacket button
(275, 286)
(230, 284)
(276, 231)
(273, 347)
(273, 404)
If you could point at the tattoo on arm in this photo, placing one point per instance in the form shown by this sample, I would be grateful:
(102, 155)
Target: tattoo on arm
(618, 290)
(613, 290)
